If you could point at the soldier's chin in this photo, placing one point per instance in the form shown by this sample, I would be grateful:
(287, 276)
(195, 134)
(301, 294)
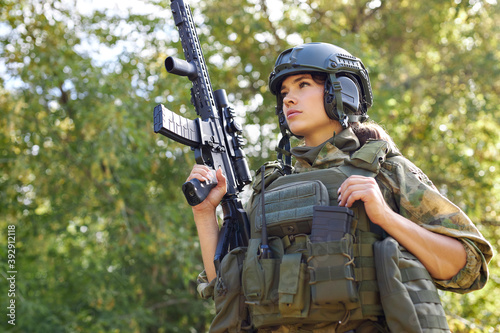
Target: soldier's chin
(297, 135)
(292, 132)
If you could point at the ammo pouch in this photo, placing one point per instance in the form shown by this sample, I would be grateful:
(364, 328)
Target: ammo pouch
(231, 313)
(331, 267)
(273, 296)
(409, 297)
(304, 281)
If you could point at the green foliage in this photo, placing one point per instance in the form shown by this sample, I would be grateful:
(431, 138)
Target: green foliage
(104, 238)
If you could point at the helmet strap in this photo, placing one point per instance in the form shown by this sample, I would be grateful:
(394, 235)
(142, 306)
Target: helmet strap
(357, 118)
(284, 148)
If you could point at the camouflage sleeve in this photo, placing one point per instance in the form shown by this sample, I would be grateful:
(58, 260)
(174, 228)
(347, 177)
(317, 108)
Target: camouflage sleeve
(205, 288)
(410, 193)
(470, 277)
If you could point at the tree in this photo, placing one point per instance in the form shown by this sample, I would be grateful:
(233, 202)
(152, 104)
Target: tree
(104, 238)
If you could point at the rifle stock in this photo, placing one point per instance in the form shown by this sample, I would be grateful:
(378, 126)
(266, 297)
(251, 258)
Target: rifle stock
(215, 136)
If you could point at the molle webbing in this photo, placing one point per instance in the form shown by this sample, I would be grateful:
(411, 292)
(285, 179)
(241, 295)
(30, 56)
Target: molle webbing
(337, 277)
(366, 274)
(330, 266)
(408, 295)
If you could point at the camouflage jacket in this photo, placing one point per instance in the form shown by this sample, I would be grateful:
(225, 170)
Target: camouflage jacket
(409, 192)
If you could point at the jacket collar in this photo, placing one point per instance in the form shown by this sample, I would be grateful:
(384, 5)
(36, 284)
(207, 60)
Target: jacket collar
(330, 153)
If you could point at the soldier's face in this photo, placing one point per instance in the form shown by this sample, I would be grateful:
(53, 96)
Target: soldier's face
(305, 111)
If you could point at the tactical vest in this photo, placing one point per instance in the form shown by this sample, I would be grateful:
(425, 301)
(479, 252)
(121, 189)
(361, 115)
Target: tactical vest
(308, 279)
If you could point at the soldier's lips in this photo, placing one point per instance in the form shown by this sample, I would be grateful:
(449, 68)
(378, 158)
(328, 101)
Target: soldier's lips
(292, 113)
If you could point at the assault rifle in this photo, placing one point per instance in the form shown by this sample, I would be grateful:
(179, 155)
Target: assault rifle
(215, 137)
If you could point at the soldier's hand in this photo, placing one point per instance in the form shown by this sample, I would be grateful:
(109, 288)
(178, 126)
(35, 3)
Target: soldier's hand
(367, 190)
(204, 173)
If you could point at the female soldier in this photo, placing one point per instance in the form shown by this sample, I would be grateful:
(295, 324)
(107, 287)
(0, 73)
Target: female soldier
(323, 94)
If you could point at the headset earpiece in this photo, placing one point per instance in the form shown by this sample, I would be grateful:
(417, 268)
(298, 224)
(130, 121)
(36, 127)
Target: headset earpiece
(350, 92)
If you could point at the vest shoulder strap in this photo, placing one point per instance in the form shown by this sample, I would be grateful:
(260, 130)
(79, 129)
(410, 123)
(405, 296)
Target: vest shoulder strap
(272, 171)
(369, 157)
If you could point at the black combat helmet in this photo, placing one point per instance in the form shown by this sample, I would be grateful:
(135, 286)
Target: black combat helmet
(348, 93)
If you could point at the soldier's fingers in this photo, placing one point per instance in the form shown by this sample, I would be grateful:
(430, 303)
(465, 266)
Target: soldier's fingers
(356, 179)
(221, 177)
(221, 181)
(364, 191)
(201, 172)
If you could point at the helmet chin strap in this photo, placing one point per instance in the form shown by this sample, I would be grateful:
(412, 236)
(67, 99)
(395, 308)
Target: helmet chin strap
(284, 146)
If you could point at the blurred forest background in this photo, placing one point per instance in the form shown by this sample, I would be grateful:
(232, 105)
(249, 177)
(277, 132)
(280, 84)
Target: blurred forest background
(104, 237)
